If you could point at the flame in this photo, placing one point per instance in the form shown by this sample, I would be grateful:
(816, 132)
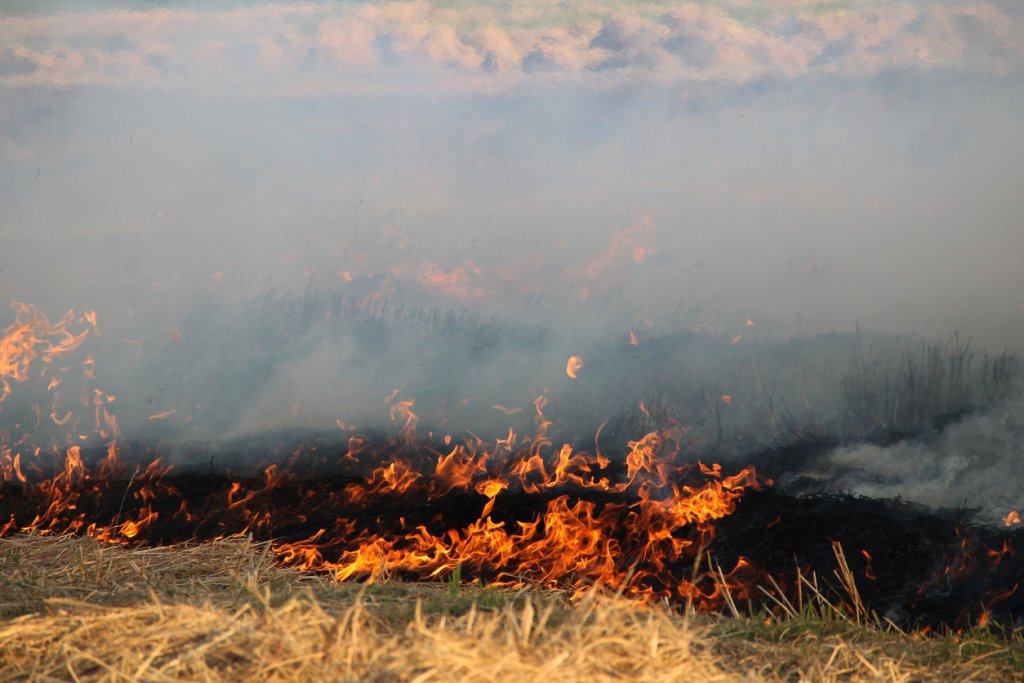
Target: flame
(1012, 517)
(725, 398)
(458, 281)
(735, 340)
(633, 341)
(634, 239)
(649, 526)
(506, 410)
(517, 511)
(869, 573)
(750, 323)
(32, 336)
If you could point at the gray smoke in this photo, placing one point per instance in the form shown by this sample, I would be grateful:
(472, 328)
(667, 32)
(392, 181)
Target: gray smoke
(972, 464)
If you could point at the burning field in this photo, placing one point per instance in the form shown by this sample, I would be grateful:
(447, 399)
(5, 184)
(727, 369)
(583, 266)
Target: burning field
(644, 520)
(434, 340)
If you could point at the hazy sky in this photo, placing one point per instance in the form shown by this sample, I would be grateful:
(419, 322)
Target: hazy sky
(836, 161)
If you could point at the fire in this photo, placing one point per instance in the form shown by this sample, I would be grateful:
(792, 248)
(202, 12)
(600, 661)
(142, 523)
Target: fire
(633, 341)
(513, 512)
(506, 410)
(517, 511)
(869, 573)
(32, 336)
(458, 281)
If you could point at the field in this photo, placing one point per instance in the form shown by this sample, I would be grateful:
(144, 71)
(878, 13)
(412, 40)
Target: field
(73, 609)
(820, 416)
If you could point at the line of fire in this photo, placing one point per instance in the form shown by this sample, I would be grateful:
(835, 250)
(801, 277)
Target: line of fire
(651, 521)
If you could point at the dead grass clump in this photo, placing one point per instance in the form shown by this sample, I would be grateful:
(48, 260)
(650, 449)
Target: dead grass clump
(160, 642)
(300, 641)
(604, 639)
(34, 569)
(76, 610)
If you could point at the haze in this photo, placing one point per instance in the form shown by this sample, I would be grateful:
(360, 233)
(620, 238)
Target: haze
(838, 162)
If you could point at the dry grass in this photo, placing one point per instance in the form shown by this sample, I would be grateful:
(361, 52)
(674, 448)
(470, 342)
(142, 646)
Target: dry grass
(75, 610)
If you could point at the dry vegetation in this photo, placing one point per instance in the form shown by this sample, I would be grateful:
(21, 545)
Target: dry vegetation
(72, 609)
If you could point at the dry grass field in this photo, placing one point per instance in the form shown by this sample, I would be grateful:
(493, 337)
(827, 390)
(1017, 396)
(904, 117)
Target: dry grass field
(72, 609)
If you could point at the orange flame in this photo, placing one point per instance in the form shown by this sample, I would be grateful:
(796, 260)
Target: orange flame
(506, 410)
(636, 544)
(32, 336)
(630, 523)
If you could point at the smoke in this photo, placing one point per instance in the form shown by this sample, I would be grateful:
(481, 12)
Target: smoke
(282, 213)
(971, 464)
(900, 215)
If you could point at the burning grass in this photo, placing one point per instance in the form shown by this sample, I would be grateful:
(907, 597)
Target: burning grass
(76, 609)
(167, 583)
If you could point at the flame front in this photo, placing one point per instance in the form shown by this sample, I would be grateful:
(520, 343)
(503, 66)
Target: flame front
(515, 512)
(512, 512)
